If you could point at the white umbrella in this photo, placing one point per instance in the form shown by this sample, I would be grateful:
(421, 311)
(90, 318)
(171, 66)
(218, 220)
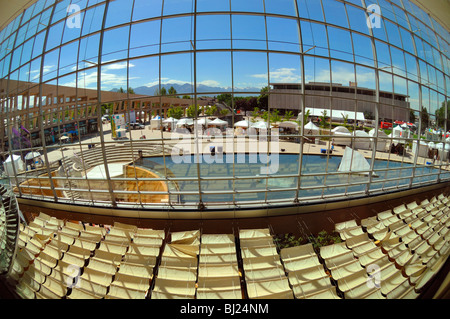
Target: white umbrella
(32, 155)
(64, 137)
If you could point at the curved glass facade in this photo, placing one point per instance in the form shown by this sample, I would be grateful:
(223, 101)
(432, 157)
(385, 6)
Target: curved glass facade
(184, 104)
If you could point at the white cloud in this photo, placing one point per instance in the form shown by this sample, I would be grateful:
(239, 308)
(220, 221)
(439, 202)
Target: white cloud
(281, 75)
(209, 83)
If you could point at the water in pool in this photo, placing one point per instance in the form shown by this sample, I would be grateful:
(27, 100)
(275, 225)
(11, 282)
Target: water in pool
(249, 186)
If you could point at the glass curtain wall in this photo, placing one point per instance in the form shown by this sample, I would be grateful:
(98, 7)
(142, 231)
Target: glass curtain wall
(184, 104)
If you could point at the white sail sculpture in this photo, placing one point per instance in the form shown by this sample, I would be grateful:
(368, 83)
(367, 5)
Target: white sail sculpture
(354, 162)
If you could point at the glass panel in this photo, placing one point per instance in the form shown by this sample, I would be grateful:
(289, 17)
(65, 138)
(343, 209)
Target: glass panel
(119, 12)
(310, 9)
(177, 69)
(54, 36)
(115, 44)
(68, 58)
(247, 6)
(249, 38)
(213, 32)
(178, 6)
(177, 34)
(363, 49)
(283, 34)
(314, 34)
(144, 38)
(218, 5)
(340, 44)
(285, 7)
(220, 79)
(93, 19)
(250, 71)
(335, 13)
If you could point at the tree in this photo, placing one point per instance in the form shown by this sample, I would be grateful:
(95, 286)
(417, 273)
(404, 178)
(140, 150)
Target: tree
(323, 119)
(163, 91)
(224, 112)
(107, 108)
(175, 112)
(345, 118)
(225, 98)
(211, 111)
(443, 116)
(306, 117)
(255, 113)
(424, 119)
(288, 115)
(275, 116)
(192, 110)
(172, 91)
(263, 98)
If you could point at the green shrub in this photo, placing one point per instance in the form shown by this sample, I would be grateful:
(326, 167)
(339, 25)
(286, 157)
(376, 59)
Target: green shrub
(287, 240)
(325, 239)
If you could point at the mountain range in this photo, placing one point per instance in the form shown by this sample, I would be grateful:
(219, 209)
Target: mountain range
(186, 88)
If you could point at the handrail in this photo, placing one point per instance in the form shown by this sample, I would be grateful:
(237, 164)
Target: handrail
(11, 213)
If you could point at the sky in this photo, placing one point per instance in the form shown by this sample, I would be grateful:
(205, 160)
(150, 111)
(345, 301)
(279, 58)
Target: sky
(220, 41)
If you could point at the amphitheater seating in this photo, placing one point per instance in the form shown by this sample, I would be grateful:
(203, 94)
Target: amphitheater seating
(264, 274)
(401, 249)
(348, 229)
(133, 278)
(218, 273)
(177, 272)
(306, 274)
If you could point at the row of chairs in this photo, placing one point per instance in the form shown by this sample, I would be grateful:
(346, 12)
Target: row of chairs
(391, 255)
(177, 272)
(265, 276)
(218, 270)
(83, 261)
(306, 274)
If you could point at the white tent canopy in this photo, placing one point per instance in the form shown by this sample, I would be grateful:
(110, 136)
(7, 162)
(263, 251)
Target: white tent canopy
(185, 121)
(218, 122)
(340, 129)
(261, 125)
(335, 114)
(363, 142)
(311, 129)
(242, 123)
(382, 141)
(170, 120)
(15, 160)
(203, 121)
(290, 124)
